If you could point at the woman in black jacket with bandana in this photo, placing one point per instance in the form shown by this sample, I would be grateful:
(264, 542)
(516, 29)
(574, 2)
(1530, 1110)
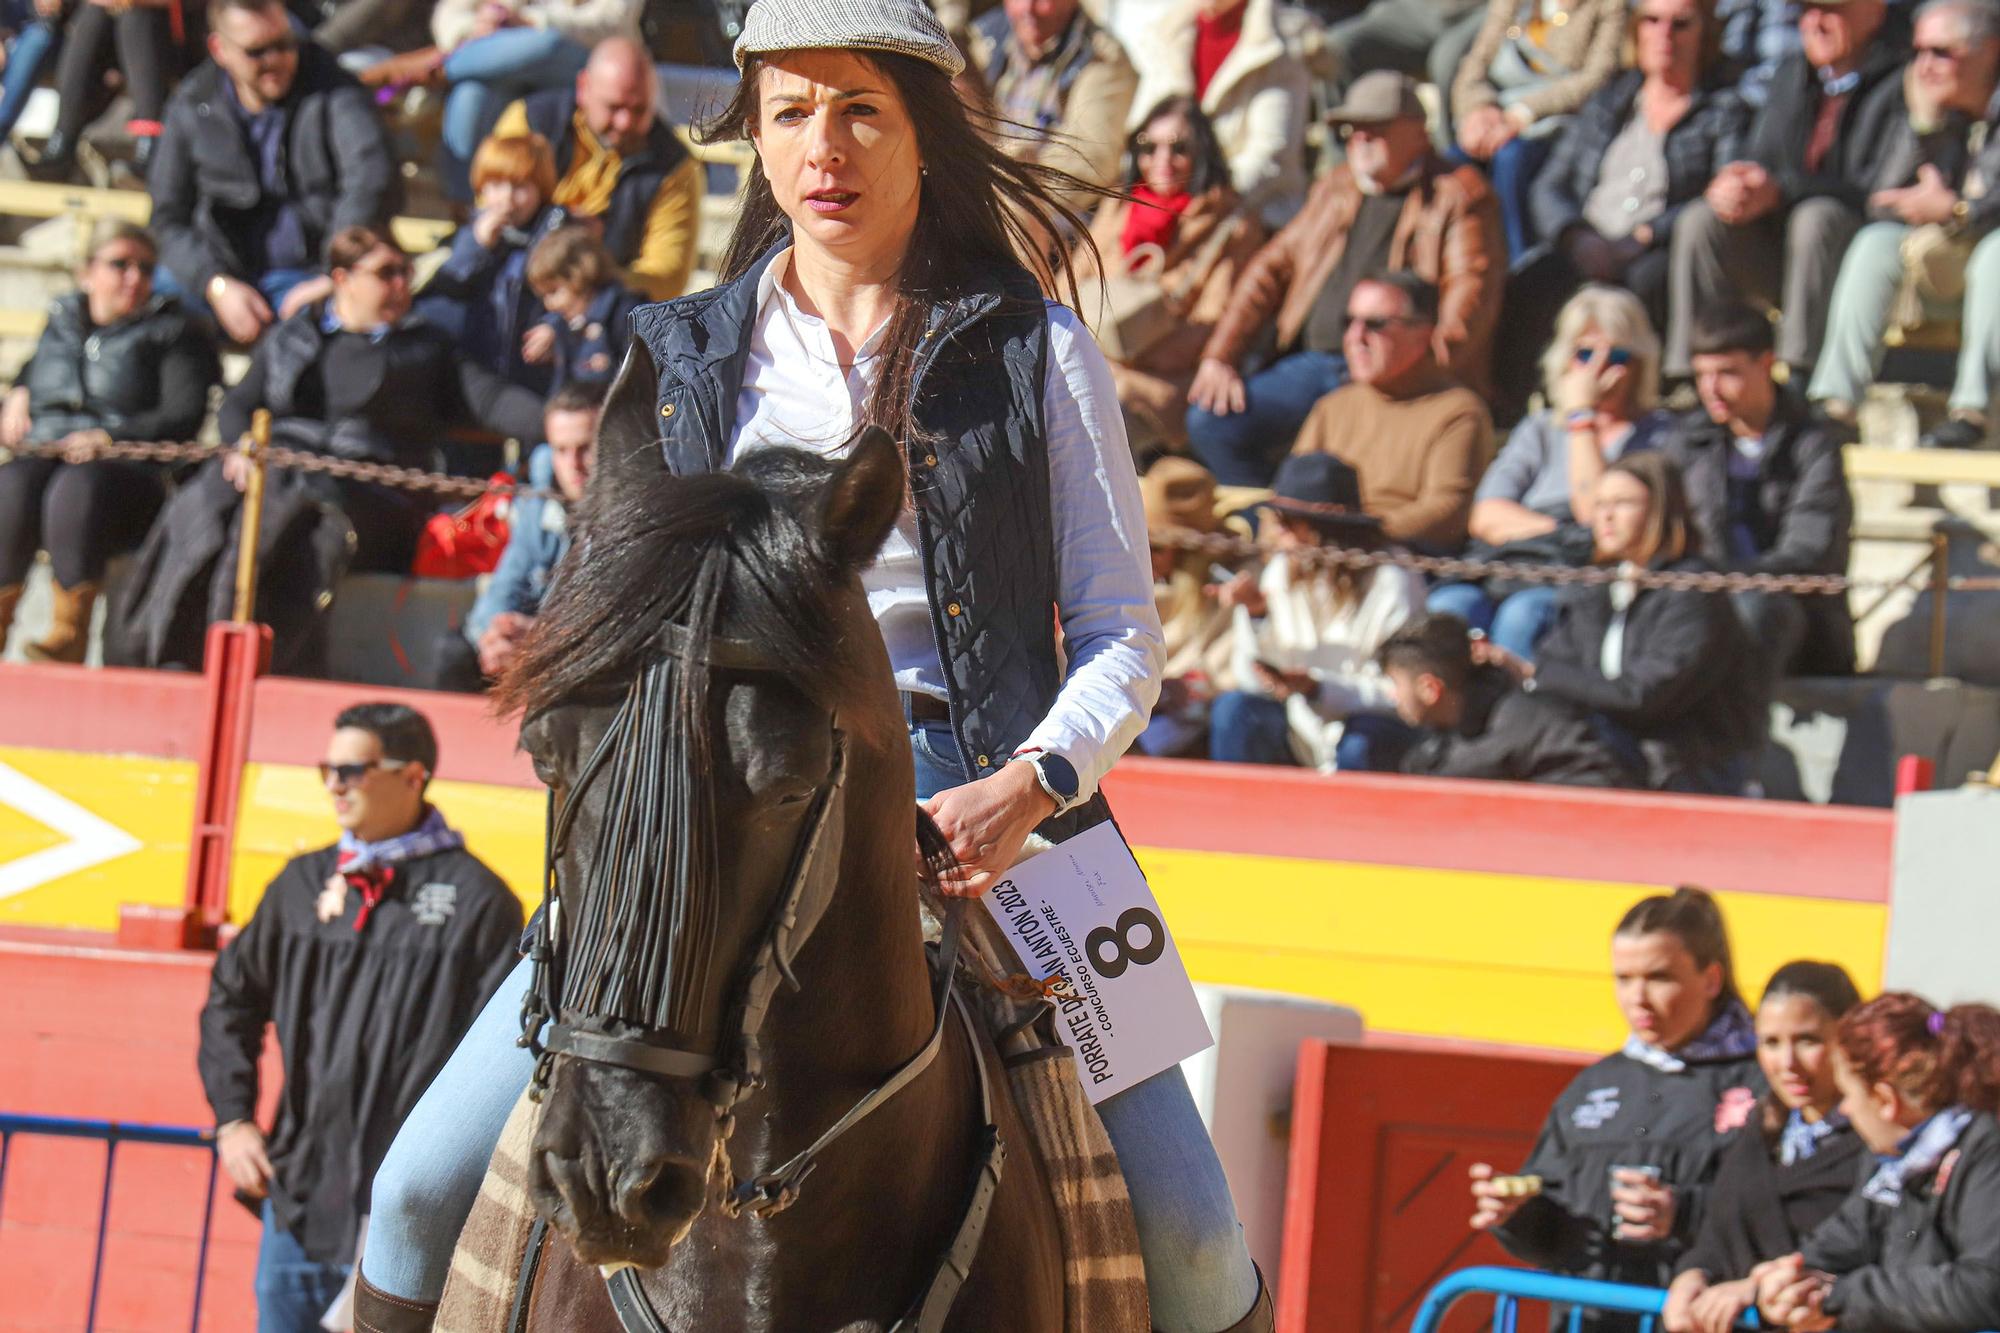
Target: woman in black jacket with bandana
(1790, 1169)
(1916, 1249)
(1619, 1178)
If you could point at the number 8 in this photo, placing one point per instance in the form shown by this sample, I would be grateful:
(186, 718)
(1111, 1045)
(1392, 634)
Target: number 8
(1118, 939)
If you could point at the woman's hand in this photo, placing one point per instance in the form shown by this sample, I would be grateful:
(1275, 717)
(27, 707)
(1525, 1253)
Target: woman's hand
(1585, 385)
(1491, 1208)
(14, 418)
(1218, 389)
(1685, 1290)
(1485, 132)
(987, 822)
(1643, 1206)
(1716, 1309)
(1798, 1304)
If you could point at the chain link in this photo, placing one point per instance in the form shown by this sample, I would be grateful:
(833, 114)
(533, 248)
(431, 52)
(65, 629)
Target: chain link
(1221, 546)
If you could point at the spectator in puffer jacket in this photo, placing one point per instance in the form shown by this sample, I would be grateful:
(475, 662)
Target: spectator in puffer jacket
(1916, 1249)
(1619, 1181)
(588, 319)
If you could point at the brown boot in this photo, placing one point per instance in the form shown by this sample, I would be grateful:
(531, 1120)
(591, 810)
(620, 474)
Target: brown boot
(69, 627)
(376, 1311)
(10, 597)
(1261, 1319)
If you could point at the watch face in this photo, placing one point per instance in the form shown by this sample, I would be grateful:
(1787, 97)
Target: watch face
(1061, 775)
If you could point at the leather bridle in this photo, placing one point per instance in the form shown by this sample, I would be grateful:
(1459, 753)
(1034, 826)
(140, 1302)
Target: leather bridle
(728, 1076)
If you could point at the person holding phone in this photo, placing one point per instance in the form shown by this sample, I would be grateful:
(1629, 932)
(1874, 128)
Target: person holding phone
(1625, 1160)
(1601, 375)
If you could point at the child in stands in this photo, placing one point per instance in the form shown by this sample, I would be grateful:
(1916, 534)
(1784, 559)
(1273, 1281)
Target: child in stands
(582, 337)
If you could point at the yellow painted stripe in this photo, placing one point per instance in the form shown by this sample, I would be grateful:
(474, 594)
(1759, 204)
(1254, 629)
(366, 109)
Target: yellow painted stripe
(1454, 954)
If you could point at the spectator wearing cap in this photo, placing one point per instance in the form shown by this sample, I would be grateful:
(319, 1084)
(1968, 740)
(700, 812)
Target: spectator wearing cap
(1772, 227)
(1533, 64)
(1418, 437)
(1392, 206)
(1474, 722)
(1641, 149)
(617, 160)
(1601, 376)
(1767, 486)
(1939, 210)
(268, 151)
(1061, 82)
(1180, 225)
(1180, 499)
(538, 535)
(1668, 674)
(370, 957)
(1309, 690)
(1230, 55)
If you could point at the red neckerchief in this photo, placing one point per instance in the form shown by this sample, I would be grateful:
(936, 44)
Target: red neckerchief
(370, 884)
(1152, 218)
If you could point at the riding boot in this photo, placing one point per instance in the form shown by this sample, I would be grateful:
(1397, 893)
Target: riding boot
(10, 597)
(1261, 1318)
(69, 627)
(376, 1311)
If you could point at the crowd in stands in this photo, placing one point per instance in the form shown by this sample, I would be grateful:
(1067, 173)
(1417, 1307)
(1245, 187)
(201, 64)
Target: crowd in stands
(1443, 327)
(1821, 1161)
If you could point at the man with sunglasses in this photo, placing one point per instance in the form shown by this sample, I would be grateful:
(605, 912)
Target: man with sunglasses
(268, 149)
(371, 957)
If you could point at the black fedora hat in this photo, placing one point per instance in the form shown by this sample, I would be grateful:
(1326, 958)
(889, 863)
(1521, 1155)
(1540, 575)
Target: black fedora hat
(1322, 490)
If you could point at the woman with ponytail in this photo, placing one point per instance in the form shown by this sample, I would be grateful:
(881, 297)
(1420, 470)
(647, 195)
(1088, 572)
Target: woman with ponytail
(1916, 1249)
(1778, 1181)
(1616, 1186)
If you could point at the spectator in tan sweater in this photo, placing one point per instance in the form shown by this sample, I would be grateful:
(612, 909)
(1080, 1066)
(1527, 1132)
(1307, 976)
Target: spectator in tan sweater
(1419, 439)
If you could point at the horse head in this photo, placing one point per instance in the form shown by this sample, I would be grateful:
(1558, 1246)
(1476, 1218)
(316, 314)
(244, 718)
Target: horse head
(707, 697)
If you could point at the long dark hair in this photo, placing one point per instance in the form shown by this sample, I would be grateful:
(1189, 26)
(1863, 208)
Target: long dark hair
(1691, 916)
(1826, 985)
(1670, 530)
(980, 213)
(1210, 167)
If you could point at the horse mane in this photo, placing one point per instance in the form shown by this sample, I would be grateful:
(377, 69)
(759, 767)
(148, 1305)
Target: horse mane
(648, 549)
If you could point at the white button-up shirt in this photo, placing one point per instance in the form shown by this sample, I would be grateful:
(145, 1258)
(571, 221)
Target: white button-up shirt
(795, 392)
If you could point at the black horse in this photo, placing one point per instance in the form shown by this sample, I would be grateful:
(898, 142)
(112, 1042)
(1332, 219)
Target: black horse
(737, 961)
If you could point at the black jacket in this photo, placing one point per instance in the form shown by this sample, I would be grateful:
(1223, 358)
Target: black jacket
(1687, 691)
(391, 399)
(1779, 136)
(204, 179)
(144, 378)
(1930, 1264)
(364, 1020)
(1807, 510)
(592, 353)
(1700, 142)
(1760, 1209)
(1624, 1112)
(1510, 736)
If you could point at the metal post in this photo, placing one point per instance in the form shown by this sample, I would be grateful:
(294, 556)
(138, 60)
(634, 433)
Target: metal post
(253, 449)
(103, 1225)
(201, 1251)
(1940, 586)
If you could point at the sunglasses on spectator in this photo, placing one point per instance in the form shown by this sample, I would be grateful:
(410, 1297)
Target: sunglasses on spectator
(277, 46)
(123, 264)
(1144, 147)
(1613, 356)
(349, 774)
(1375, 324)
(1673, 22)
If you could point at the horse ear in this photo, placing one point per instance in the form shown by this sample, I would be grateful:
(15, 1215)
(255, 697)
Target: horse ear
(628, 434)
(860, 504)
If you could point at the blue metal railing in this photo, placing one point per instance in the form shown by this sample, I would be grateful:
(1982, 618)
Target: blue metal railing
(1510, 1286)
(111, 1133)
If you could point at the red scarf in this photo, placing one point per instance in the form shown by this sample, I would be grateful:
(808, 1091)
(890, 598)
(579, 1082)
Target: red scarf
(370, 884)
(1152, 218)
(1214, 39)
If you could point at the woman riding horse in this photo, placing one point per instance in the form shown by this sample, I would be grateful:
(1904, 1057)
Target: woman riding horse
(872, 280)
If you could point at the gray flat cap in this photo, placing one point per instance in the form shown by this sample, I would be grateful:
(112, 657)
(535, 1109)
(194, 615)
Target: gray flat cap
(906, 27)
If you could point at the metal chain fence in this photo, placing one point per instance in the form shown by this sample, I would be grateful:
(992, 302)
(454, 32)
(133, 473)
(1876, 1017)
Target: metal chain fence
(1219, 546)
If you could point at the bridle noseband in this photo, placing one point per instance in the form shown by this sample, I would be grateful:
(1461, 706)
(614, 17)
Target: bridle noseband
(729, 1076)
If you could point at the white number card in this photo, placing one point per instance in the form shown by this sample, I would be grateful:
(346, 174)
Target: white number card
(1083, 913)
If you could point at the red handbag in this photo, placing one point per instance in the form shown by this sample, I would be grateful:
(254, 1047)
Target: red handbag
(468, 542)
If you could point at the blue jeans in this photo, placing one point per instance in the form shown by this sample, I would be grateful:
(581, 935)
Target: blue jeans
(293, 1289)
(1372, 743)
(1245, 728)
(1516, 624)
(1198, 1270)
(275, 285)
(486, 74)
(1512, 173)
(32, 47)
(1245, 448)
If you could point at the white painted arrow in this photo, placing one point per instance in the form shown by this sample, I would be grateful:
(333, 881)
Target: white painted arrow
(92, 841)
